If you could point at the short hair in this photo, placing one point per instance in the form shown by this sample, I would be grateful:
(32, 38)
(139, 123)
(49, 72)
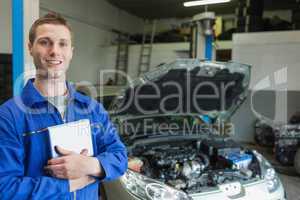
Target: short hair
(50, 18)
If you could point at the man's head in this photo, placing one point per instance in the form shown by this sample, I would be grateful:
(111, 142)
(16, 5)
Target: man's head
(50, 45)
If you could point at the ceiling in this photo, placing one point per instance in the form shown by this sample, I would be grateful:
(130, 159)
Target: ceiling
(158, 9)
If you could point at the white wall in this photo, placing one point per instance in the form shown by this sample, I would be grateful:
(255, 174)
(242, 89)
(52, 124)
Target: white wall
(161, 53)
(92, 22)
(269, 53)
(275, 64)
(6, 26)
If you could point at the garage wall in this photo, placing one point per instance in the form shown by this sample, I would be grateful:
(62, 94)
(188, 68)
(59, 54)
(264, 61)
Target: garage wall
(269, 53)
(92, 22)
(274, 77)
(161, 53)
(6, 27)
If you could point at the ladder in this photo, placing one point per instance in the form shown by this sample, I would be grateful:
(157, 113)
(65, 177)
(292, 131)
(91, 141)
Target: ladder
(146, 49)
(122, 59)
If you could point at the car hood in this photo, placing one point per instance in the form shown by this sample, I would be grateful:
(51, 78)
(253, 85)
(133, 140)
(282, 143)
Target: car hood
(185, 86)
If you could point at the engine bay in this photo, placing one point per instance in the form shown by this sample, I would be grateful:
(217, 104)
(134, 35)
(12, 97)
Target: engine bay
(192, 165)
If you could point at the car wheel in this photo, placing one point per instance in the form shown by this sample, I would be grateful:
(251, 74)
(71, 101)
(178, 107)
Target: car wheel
(297, 161)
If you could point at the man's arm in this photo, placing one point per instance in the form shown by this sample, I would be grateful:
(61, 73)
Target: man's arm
(112, 154)
(13, 183)
(72, 166)
(109, 164)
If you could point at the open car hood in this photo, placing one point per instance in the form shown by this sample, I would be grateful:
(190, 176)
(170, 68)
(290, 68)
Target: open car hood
(186, 86)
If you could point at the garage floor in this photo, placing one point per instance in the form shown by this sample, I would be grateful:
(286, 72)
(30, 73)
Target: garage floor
(288, 176)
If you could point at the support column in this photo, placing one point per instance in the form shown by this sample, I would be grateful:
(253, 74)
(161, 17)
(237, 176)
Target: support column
(24, 12)
(17, 45)
(204, 37)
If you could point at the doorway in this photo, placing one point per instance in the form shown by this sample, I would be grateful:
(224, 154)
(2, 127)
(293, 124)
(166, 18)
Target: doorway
(5, 77)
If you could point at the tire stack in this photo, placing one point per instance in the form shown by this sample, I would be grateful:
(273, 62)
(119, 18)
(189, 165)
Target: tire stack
(264, 134)
(249, 15)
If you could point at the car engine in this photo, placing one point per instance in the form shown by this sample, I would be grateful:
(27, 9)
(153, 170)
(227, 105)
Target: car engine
(193, 165)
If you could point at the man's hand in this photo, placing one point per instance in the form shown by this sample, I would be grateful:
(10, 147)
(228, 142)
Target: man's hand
(73, 166)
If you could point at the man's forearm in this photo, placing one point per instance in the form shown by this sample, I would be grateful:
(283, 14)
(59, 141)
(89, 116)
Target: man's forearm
(96, 168)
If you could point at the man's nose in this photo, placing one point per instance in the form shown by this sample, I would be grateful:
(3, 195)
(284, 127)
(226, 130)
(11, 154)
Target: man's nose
(55, 50)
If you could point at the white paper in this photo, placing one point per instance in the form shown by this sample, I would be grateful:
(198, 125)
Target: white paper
(73, 136)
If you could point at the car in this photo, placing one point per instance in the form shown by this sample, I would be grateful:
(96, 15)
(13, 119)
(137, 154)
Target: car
(175, 122)
(287, 145)
(283, 138)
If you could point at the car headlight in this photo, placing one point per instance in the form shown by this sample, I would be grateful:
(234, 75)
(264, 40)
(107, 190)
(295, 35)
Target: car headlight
(147, 188)
(268, 173)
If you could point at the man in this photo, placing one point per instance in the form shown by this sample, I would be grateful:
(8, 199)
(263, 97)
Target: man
(26, 168)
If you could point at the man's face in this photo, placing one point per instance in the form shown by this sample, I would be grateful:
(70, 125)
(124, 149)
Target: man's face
(51, 50)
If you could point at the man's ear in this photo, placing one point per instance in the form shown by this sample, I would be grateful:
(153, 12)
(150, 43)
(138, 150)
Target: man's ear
(29, 45)
(72, 50)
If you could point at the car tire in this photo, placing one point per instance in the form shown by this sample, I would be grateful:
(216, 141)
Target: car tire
(297, 161)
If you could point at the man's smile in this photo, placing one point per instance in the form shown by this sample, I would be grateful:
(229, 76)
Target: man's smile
(53, 61)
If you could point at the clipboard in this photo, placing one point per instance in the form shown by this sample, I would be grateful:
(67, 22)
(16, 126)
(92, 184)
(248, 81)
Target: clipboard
(73, 136)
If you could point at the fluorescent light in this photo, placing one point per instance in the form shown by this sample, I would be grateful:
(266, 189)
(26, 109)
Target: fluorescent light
(203, 2)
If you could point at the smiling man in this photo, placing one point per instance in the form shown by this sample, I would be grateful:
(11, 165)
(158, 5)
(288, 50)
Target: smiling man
(27, 170)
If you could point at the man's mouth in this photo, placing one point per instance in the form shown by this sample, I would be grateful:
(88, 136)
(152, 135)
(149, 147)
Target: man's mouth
(54, 62)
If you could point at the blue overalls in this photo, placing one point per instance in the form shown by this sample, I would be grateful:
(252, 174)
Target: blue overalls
(24, 145)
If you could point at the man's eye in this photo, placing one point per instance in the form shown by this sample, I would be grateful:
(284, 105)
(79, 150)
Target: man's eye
(44, 42)
(63, 44)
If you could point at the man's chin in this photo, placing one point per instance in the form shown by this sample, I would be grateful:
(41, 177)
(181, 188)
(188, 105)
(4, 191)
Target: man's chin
(52, 75)
(56, 75)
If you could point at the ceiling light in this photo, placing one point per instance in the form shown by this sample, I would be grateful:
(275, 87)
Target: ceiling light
(203, 2)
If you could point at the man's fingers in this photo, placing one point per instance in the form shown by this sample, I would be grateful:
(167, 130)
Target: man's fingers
(57, 171)
(58, 174)
(62, 151)
(56, 161)
(84, 152)
(55, 167)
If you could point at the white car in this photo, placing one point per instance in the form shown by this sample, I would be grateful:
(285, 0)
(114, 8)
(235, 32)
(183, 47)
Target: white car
(175, 123)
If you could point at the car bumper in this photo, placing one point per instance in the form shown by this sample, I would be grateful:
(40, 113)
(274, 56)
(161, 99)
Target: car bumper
(254, 191)
(257, 190)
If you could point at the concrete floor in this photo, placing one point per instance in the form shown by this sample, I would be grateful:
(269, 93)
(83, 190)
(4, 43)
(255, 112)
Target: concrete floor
(292, 186)
(290, 179)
